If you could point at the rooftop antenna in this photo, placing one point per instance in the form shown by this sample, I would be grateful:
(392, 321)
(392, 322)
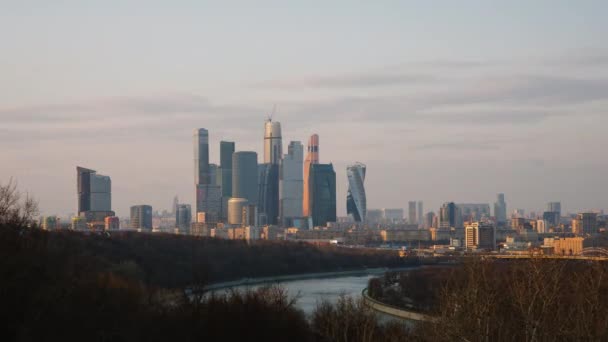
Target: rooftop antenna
(274, 109)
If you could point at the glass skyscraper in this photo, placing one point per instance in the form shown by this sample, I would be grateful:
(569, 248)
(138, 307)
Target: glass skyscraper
(322, 187)
(356, 202)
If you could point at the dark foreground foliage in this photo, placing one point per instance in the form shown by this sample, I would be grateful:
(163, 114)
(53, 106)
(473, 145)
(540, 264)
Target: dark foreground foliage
(69, 286)
(493, 300)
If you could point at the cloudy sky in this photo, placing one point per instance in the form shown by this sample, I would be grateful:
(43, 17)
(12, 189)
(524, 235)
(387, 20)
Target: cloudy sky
(444, 101)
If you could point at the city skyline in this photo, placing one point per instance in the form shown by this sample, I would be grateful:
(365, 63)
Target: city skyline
(420, 90)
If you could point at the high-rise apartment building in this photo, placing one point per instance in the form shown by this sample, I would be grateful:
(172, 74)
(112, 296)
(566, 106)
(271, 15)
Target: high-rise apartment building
(500, 210)
(245, 176)
(291, 184)
(479, 235)
(356, 202)
(585, 224)
(141, 217)
(273, 150)
(552, 218)
(322, 189)
(412, 213)
(312, 157)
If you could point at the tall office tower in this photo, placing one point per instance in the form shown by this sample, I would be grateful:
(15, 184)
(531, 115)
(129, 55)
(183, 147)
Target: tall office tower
(273, 146)
(555, 207)
(312, 157)
(356, 202)
(141, 217)
(226, 151)
(480, 235)
(500, 210)
(412, 213)
(291, 183)
(208, 193)
(450, 216)
(268, 194)
(420, 214)
(94, 195)
(245, 176)
(201, 156)
(322, 194)
(183, 217)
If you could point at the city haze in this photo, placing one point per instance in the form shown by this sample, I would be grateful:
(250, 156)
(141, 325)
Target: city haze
(442, 103)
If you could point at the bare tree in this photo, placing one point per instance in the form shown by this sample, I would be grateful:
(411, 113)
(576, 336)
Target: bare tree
(15, 209)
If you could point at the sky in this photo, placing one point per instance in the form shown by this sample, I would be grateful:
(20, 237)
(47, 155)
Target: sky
(442, 100)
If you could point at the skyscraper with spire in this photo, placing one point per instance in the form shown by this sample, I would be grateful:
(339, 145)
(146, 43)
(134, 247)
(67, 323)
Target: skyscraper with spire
(273, 145)
(312, 157)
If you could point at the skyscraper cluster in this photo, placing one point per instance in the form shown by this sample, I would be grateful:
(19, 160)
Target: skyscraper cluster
(281, 190)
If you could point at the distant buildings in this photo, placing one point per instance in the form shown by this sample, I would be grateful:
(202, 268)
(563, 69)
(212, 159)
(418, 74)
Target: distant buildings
(552, 218)
(141, 217)
(450, 216)
(50, 223)
(473, 212)
(183, 217)
(94, 197)
(555, 207)
(420, 214)
(412, 213)
(356, 202)
(500, 210)
(479, 235)
(291, 183)
(112, 223)
(585, 224)
(322, 194)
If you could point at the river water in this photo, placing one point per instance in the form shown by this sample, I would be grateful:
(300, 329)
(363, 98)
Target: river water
(309, 292)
